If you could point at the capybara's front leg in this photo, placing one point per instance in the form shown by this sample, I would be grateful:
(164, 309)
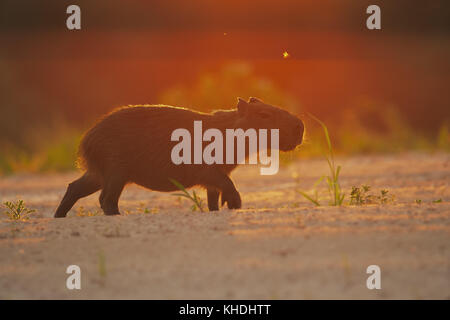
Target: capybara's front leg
(80, 188)
(232, 198)
(213, 199)
(222, 181)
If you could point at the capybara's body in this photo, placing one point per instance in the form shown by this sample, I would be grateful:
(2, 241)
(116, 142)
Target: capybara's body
(133, 145)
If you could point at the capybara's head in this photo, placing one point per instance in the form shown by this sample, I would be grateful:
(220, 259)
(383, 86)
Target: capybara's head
(259, 115)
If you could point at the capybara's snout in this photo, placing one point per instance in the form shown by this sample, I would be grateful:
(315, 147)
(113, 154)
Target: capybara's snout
(292, 135)
(298, 132)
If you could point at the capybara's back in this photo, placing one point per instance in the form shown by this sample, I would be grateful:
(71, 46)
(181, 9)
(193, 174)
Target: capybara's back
(133, 145)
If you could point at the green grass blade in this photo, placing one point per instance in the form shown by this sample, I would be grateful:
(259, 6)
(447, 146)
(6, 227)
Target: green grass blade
(325, 130)
(194, 198)
(309, 198)
(178, 185)
(338, 170)
(341, 200)
(318, 181)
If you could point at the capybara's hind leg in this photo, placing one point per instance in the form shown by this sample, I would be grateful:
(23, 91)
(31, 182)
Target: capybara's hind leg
(80, 188)
(213, 199)
(109, 197)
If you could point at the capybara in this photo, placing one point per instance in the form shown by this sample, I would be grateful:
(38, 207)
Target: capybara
(133, 145)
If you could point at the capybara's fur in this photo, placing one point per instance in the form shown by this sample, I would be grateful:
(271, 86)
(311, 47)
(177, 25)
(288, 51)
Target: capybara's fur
(133, 145)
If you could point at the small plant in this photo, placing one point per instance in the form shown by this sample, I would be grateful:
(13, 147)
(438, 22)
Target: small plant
(145, 210)
(337, 196)
(358, 195)
(197, 201)
(385, 197)
(17, 210)
(361, 195)
(82, 212)
(418, 201)
(437, 201)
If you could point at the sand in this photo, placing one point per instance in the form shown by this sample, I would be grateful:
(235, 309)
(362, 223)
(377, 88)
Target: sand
(279, 246)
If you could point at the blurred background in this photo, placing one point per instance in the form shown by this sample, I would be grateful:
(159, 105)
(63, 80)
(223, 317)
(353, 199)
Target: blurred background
(377, 90)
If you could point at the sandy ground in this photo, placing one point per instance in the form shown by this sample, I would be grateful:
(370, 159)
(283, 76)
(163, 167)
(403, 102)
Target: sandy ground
(279, 246)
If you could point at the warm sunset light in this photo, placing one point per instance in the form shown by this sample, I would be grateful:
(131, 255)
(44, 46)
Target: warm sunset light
(231, 150)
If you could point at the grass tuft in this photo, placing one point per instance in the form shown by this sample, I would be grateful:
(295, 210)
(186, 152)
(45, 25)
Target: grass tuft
(197, 201)
(361, 195)
(334, 188)
(17, 210)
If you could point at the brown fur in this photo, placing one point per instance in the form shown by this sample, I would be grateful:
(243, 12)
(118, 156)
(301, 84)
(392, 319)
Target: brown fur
(132, 145)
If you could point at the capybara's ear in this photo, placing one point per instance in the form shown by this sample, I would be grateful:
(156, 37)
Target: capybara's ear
(254, 100)
(242, 107)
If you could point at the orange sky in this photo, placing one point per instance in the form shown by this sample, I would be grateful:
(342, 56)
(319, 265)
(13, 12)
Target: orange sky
(129, 52)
